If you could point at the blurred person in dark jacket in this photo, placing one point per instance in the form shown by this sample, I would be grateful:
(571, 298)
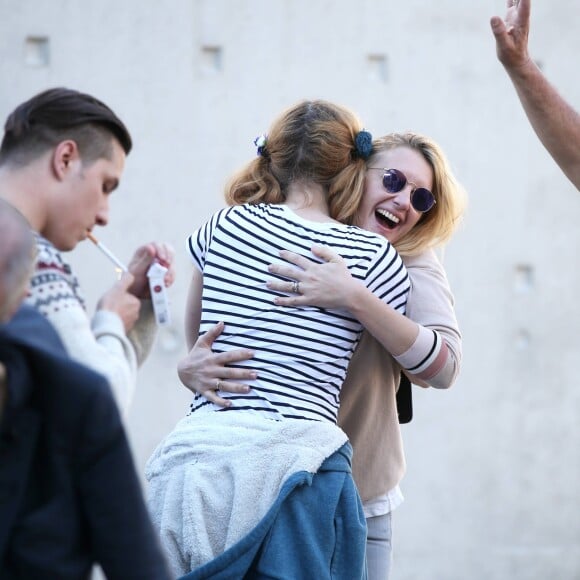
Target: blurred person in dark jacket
(69, 493)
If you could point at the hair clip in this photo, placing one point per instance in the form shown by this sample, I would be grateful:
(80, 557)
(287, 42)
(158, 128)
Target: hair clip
(363, 143)
(260, 142)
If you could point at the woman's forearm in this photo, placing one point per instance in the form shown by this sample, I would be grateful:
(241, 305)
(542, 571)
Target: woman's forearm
(394, 331)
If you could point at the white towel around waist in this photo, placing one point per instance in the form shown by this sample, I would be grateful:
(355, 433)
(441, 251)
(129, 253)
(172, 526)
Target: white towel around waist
(216, 475)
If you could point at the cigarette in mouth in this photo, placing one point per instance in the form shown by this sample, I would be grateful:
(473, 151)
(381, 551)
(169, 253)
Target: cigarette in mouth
(107, 252)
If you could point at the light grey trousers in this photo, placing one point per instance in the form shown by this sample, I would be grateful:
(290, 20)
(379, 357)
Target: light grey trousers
(379, 547)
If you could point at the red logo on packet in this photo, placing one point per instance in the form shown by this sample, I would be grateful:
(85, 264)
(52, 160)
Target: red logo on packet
(157, 288)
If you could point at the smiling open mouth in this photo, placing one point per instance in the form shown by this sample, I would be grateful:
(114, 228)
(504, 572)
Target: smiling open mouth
(386, 218)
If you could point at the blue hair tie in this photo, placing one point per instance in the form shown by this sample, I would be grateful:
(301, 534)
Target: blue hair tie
(363, 143)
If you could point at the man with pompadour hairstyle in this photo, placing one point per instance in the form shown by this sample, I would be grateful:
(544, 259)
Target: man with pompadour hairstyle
(62, 155)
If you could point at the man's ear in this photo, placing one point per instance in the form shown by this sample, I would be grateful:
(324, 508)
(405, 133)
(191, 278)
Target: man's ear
(64, 156)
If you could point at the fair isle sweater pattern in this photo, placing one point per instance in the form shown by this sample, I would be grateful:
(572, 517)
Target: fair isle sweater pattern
(53, 286)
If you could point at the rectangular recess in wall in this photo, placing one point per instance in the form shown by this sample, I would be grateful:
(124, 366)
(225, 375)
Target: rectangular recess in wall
(37, 51)
(377, 66)
(523, 278)
(211, 59)
(523, 339)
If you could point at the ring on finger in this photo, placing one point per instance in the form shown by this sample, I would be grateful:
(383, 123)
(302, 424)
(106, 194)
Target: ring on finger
(218, 384)
(296, 287)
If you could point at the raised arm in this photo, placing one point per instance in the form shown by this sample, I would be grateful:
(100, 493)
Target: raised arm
(556, 123)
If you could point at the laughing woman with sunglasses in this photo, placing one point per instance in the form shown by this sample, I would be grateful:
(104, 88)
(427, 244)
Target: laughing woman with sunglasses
(412, 198)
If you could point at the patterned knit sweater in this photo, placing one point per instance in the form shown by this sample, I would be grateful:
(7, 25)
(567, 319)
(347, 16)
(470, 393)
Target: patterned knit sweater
(100, 343)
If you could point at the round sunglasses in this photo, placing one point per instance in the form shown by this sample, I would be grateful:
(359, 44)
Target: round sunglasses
(394, 180)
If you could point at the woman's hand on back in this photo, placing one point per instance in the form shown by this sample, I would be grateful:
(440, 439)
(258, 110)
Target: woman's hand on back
(205, 372)
(325, 285)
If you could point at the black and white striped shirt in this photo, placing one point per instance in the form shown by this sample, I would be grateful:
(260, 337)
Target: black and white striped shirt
(301, 353)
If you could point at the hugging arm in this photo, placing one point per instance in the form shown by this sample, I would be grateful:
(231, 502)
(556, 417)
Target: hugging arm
(431, 305)
(202, 369)
(330, 285)
(555, 122)
(193, 308)
(426, 342)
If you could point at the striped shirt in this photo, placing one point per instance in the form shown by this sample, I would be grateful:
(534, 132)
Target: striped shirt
(301, 353)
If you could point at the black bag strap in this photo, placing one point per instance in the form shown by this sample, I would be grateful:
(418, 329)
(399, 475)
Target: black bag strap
(405, 400)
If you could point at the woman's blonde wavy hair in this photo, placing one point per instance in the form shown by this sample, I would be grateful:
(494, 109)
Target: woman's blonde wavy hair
(437, 225)
(310, 141)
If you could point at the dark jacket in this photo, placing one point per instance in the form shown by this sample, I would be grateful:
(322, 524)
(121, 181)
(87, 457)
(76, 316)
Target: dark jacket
(69, 493)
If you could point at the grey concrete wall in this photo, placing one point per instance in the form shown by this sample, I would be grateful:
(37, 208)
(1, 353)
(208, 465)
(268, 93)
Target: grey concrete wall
(493, 467)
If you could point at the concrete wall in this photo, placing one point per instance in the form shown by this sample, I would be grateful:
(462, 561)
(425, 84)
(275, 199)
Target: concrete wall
(493, 467)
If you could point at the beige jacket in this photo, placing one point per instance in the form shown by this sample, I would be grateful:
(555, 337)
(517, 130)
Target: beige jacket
(368, 412)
